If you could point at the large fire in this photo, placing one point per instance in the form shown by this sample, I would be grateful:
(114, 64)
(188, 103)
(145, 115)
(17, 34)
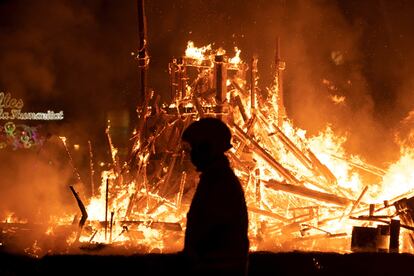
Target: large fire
(302, 192)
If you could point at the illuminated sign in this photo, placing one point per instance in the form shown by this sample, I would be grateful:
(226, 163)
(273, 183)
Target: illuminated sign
(11, 109)
(19, 136)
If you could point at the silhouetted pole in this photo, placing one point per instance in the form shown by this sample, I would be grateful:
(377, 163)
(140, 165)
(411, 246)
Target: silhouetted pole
(137, 120)
(106, 207)
(142, 52)
(110, 227)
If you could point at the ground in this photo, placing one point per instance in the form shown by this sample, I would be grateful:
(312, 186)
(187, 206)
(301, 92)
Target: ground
(261, 263)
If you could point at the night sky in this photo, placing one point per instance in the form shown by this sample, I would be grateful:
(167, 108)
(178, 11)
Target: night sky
(75, 56)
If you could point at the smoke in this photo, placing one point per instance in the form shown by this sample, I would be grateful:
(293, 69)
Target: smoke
(75, 56)
(349, 65)
(362, 49)
(34, 184)
(325, 60)
(350, 50)
(70, 56)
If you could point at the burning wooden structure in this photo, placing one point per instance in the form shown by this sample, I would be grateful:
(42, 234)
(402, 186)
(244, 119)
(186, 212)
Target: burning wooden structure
(295, 199)
(302, 193)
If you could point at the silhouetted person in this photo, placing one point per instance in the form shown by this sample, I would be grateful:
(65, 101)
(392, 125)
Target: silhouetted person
(216, 241)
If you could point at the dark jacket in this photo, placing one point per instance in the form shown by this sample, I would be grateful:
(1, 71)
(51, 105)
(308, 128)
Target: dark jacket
(217, 222)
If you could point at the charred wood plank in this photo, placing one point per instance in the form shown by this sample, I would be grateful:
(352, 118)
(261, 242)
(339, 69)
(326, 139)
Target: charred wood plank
(253, 84)
(198, 107)
(267, 213)
(365, 167)
(82, 209)
(292, 147)
(250, 128)
(323, 170)
(358, 201)
(305, 192)
(173, 226)
(266, 156)
(238, 102)
(241, 90)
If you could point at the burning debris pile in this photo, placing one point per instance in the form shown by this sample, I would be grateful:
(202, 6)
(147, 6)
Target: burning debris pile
(302, 193)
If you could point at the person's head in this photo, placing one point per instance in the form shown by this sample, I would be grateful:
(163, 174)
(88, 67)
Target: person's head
(209, 138)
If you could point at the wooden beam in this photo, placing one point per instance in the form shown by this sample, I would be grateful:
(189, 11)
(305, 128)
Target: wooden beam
(305, 192)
